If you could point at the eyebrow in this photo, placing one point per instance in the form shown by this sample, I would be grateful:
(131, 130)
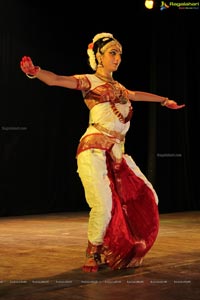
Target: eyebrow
(115, 49)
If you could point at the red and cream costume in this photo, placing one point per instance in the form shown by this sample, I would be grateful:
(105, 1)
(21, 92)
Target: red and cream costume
(124, 217)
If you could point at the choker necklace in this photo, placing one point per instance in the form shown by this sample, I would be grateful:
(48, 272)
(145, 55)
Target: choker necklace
(104, 78)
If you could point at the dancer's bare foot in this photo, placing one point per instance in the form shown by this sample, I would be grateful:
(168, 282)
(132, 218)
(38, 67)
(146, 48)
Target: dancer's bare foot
(90, 265)
(93, 258)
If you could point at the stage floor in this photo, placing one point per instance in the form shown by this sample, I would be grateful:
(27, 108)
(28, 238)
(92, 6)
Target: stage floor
(41, 257)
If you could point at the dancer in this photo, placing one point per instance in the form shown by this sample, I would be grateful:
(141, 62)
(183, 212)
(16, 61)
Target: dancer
(124, 218)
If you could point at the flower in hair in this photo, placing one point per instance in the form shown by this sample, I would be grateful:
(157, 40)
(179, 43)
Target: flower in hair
(90, 46)
(91, 55)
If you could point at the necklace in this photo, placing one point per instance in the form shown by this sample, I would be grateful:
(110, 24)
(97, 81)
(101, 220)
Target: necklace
(104, 78)
(118, 95)
(121, 118)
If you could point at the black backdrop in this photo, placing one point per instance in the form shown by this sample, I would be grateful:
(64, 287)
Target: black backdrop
(41, 125)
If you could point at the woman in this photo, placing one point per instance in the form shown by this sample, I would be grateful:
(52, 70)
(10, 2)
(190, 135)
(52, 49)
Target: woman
(124, 219)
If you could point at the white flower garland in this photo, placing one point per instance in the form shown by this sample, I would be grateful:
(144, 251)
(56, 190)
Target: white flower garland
(92, 60)
(102, 35)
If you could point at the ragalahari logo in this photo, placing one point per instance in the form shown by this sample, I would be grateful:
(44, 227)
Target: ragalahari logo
(179, 5)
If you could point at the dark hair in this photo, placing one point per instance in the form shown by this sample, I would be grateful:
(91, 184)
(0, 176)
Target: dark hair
(99, 44)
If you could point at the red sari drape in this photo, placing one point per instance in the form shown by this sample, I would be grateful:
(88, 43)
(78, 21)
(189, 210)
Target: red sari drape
(134, 225)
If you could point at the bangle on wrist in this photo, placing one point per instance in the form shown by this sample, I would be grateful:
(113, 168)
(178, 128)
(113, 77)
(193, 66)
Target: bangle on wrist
(163, 103)
(33, 76)
(30, 76)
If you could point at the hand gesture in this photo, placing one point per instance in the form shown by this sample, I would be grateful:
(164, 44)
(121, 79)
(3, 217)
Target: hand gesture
(173, 105)
(28, 67)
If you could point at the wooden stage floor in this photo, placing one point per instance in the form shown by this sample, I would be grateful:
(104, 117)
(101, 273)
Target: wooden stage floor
(41, 258)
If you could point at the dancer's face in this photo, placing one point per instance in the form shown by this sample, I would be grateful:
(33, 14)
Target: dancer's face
(111, 57)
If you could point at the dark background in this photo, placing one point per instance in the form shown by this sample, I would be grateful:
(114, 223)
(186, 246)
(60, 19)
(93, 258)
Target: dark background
(41, 125)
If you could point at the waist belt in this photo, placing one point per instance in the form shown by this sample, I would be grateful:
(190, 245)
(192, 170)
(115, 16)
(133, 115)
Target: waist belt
(113, 133)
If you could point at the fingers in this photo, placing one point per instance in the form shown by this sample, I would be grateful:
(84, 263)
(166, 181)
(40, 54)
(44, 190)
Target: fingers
(26, 62)
(180, 106)
(27, 65)
(174, 105)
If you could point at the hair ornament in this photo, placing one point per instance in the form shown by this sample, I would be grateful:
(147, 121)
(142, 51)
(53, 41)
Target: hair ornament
(91, 55)
(102, 36)
(90, 46)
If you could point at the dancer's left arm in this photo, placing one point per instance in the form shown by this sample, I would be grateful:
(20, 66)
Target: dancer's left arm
(149, 97)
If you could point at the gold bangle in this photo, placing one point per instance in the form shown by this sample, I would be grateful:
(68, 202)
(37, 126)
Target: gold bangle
(163, 103)
(33, 76)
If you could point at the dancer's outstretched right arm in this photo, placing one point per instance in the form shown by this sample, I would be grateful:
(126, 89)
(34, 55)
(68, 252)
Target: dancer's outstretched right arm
(45, 76)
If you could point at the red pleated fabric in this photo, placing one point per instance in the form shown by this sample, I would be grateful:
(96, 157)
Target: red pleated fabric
(134, 226)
